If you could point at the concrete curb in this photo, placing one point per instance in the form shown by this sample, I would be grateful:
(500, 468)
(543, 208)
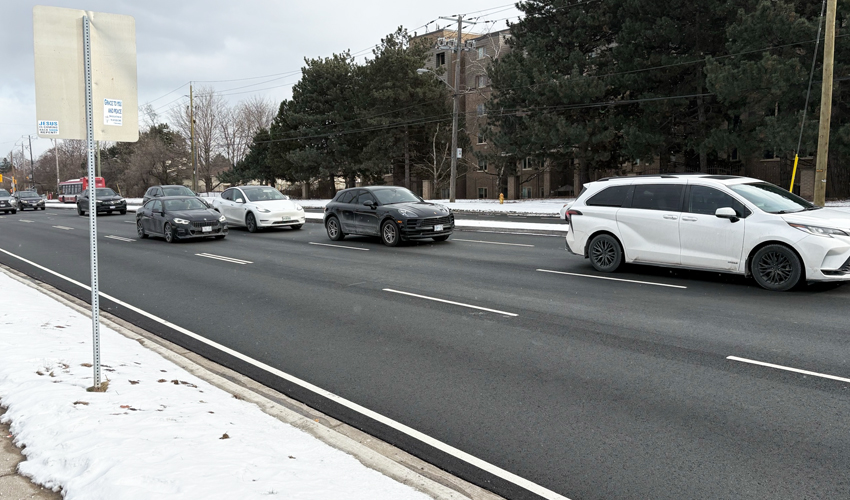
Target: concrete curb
(371, 452)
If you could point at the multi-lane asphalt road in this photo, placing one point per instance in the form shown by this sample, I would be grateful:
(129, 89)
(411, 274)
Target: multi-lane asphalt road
(642, 384)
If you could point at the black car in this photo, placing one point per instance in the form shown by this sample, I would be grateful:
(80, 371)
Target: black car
(106, 201)
(179, 217)
(28, 199)
(171, 190)
(391, 212)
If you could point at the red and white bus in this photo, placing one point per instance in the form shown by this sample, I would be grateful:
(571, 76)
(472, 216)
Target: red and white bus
(69, 189)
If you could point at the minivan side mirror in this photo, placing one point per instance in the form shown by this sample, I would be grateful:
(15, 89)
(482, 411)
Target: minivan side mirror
(727, 213)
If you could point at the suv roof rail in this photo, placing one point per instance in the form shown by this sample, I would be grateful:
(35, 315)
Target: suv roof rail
(671, 175)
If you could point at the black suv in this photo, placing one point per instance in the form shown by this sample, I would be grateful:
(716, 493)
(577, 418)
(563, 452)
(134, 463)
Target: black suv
(106, 200)
(28, 199)
(391, 212)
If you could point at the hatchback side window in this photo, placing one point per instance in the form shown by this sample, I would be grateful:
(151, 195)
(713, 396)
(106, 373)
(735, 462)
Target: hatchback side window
(706, 200)
(364, 197)
(658, 197)
(613, 196)
(227, 195)
(347, 196)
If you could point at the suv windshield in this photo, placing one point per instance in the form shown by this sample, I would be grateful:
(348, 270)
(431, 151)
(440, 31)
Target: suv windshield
(772, 199)
(28, 194)
(104, 192)
(184, 204)
(395, 195)
(4, 193)
(263, 194)
(177, 191)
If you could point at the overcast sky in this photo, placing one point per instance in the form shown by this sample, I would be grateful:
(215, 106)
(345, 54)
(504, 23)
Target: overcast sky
(207, 41)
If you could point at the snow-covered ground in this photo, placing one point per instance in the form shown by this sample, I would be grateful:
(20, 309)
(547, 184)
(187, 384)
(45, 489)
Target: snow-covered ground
(158, 431)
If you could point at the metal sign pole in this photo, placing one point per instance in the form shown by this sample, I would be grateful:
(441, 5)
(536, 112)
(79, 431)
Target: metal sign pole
(95, 295)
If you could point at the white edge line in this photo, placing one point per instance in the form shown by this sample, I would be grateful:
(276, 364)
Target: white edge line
(338, 246)
(450, 302)
(494, 243)
(451, 450)
(226, 259)
(787, 368)
(120, 238)
(612, 279)
(66, 228)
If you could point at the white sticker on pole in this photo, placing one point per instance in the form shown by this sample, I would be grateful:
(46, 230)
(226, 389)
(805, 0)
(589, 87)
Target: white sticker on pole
(460, 152)
(48, 127)
(112, 112)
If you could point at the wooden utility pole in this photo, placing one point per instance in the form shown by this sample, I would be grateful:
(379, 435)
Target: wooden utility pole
(825, 105)
(192, 134)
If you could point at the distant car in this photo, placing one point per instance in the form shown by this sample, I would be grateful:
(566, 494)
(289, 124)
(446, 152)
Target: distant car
(179, 217)
(7, 202)
(719, 223)
(106, 201)
(169, 190)
(394, 213)
(28, 199)
(257, 207)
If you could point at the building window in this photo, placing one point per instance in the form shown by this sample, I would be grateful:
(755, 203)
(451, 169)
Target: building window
(481, 52)
(482, 165)
(769, 154)
(480, 138)
(527, 164)
(441, 59)
(526, 192)
(542, 193)
(481, 81)
(481, 110)
(444, 193)
(734, 156)
(482, 193)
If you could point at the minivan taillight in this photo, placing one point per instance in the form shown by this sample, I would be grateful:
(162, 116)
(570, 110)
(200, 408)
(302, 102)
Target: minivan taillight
(569, 215)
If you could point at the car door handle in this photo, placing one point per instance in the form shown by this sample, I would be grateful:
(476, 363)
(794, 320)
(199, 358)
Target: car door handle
(670, 217)
(690, 219)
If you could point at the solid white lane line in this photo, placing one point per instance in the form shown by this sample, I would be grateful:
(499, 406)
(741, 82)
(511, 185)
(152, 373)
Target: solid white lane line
(521, 234)
(226, 259)
(25, 220)
(461, 304)
(339, 246)
(120, 238)
(130, 221)
(493, 243)
(445, 448)
(787, 368)
(66, 228)
(612, 279)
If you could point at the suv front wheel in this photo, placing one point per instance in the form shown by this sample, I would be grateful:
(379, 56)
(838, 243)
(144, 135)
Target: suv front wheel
(776, 268)
(605, 253)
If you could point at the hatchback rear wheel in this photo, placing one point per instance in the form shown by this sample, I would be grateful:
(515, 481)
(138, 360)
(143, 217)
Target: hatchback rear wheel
(605, 252)
(776, 268)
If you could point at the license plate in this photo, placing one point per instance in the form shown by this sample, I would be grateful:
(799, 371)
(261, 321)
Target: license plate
(206, 229)
(438, 227)
(111, 207)
(286, 218)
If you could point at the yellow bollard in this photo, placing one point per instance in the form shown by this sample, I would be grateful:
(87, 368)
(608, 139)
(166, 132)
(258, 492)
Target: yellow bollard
(501, 198)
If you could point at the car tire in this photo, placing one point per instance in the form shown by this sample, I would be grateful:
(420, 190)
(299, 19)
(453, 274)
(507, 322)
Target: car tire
(251, 222)
(605, 253)
(441, 238)
(140, 230)
(390, 234)
(334, 230)
(80, 211)
(168, 231)
(14, 212)
(123, 212)
(296, 226)
(43, 208)
(776, 268)
(219, 236)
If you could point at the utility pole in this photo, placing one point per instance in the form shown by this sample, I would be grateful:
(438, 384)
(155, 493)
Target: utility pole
(825, 105)
(56, 154)
(32, 164)
(458, 49)
(23, 160)
(192, 134)
(97, 147)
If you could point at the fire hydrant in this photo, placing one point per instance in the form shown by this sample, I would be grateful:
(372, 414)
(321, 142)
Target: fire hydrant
(501, 198)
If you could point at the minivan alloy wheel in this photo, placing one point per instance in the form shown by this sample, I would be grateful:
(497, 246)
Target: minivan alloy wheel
(605, 253)
(776, 267)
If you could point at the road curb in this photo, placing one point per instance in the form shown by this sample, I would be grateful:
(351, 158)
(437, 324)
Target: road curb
(373, 453)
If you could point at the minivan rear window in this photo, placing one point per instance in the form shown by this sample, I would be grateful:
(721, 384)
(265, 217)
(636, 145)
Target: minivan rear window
(613, 196)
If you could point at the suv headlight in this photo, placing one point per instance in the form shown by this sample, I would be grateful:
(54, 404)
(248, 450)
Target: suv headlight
(407, 213)
(181, 221)
(263, 210)
(299, 207)
(828, 232)
(222, 219)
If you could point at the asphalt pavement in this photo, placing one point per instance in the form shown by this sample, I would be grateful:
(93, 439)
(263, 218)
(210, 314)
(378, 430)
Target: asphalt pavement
(505, 347)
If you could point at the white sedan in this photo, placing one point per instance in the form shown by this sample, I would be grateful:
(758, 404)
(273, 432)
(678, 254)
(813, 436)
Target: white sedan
(257, 207)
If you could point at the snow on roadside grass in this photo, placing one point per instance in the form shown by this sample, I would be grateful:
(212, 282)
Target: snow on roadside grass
(158, 431)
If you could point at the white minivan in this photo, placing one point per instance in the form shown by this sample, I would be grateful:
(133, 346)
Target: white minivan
(719, 223)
